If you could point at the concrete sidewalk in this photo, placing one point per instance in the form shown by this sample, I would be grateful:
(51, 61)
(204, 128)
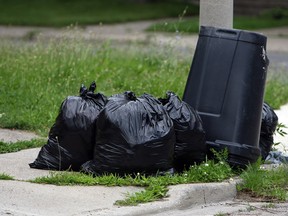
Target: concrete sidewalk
(23, 198)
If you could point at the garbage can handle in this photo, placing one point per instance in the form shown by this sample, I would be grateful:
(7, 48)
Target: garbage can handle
(227, 33)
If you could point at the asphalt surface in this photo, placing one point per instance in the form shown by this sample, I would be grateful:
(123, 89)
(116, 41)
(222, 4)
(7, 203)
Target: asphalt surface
(22, 198)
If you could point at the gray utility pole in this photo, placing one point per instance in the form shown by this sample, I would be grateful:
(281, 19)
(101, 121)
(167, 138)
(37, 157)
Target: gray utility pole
(216, 13)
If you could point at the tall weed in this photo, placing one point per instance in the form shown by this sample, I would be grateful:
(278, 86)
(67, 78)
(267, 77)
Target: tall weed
(36, 77)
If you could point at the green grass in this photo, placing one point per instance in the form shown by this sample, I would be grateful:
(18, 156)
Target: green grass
(83, 12)
(153, 192)
(20, 145)
(221, 214)
(276, 90)
(4, 176)
(191, 24)
(267, 183)
(36, 78)
(155, 187)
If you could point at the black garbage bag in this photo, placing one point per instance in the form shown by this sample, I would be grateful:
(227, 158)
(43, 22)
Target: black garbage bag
(134, 135)
(268, 126)
(190, 147)
(71, 139)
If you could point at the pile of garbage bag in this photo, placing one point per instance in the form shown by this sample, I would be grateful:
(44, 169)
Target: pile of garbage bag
(123, 134)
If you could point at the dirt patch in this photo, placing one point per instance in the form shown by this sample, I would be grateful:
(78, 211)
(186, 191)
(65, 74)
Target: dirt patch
(250, 196)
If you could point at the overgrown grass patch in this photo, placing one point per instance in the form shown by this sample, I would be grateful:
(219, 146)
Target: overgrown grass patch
(270, 184)
(20, 145)
(150, 194)
(35, 78)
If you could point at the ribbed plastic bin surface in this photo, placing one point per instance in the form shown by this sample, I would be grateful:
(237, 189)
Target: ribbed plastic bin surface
(226, 86)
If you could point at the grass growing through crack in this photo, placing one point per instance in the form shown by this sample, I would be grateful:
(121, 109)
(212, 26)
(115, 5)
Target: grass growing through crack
(20, 145)
(156, 187)
(4, 176)
(221, 214)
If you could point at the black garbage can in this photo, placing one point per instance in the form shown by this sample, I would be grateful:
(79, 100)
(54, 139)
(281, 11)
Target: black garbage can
(226, 86)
